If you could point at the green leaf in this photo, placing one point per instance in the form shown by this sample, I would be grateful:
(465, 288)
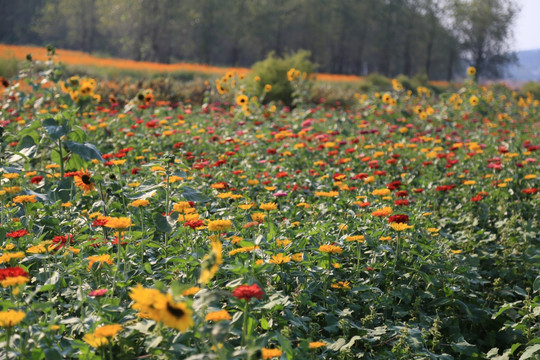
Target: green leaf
(529, 352)
(26, 142)
(75, 162)
(163, 223)
(464, 348)
(54, 130)
(85, 150)
(191, 194)
(65, 191)
(536, 284)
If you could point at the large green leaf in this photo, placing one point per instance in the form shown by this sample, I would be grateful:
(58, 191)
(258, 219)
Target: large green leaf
(85, 150)
(54, 130)
(191, 194)
(163, 223)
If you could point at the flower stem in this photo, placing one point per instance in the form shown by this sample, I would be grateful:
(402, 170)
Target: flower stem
(244, 327)
(8, 340)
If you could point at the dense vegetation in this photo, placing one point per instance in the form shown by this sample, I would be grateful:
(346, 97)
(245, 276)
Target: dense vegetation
(402, 226)
(431, 37)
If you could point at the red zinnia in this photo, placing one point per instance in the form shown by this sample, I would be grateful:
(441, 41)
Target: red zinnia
(12, 272)
(248, 291)
(17, 234)
(98, 292)
(36, 179)
(193, 223)
(398, 218)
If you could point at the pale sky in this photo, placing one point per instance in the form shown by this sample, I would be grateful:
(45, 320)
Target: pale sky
(527, 26)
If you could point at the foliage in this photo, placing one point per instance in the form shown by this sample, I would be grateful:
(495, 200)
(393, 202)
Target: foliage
(273, 70)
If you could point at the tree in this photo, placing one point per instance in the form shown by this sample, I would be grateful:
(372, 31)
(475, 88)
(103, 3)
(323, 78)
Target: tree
(484, 30)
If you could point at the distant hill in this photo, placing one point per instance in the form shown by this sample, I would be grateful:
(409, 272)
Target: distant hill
(527, 68)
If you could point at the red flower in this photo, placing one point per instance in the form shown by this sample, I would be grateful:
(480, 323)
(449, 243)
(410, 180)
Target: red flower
(247, 292)
(476, 198)
(135, 171)
(36, 179)
(403, 202)
(61, 241)
(17, 234)
(99, 222)
(530, 191)
(394, 185)
(12, 272)
(193, 223)
(398, 218)
(98, 292)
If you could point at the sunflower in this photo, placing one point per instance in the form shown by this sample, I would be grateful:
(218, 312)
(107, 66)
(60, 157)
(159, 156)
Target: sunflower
(241, 100)
(83, 179)
(174, 315)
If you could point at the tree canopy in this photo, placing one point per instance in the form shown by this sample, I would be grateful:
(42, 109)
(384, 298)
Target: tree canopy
(390, 37)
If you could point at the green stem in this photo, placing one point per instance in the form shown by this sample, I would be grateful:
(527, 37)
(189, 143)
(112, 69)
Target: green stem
(141, 219)
(357, 256)
(61, 159)
(8, 340)
(245, 325)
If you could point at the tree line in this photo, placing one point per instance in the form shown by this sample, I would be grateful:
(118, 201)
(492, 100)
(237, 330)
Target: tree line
(432, 37)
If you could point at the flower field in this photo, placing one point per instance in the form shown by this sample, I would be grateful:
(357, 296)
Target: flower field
(403, 227)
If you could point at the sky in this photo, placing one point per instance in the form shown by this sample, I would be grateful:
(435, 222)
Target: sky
(527, 26)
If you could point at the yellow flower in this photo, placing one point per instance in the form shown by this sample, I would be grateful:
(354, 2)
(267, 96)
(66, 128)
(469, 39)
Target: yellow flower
(385, 211)
(529, 176)
(242, 250)
(140, 203)
(358, 238)
(471, 71)
(101, 259)
(346, 285)
(219, 225)
(241, 100)
(298, 257)
(94, 341)
(11, 318)
(327, 194)
(118, 223)
(37, 249)
(25, 199)
(267, 87)
(271, 353)
(381, 192)
(157, 168)
(400, 226)
(211, 262)
(10, 176)
(473, 100)
(108, 331)
(246, 206)
(258, 216)
(456, 251)
(331, 249)
(280, 259)
(283, 243)
(469, 182)
(385, 238)
(218, 315)
(7, 257)
(316, 344)
(191, 291)
(268, 206)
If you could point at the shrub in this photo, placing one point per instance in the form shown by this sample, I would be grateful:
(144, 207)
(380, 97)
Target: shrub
(273, 71)
(9, 67)
(531, 87)
(375, 82)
